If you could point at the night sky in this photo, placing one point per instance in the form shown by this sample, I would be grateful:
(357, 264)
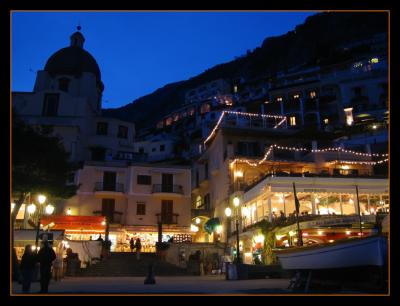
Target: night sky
(141, 52)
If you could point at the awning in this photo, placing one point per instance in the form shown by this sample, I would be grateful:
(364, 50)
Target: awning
(76, 223)
(24, 237)
(211, 225)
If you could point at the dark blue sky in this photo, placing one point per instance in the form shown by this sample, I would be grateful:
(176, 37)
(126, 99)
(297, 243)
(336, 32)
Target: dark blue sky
(141, 52)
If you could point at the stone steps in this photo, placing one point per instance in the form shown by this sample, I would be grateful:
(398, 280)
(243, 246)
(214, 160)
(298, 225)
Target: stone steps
(125, 264)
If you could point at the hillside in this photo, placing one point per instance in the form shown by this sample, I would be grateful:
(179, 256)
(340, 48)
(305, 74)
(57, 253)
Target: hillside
(313, 42)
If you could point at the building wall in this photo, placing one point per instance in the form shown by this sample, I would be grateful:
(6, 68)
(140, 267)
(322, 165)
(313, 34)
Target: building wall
(88, 200)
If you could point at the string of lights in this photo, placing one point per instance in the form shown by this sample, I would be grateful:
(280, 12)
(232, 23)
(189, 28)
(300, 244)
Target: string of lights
(358, 162)
(254, 163)
(283, 119)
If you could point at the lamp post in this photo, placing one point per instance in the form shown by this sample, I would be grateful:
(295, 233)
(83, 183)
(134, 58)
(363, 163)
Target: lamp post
(228, 213)
(39, 210)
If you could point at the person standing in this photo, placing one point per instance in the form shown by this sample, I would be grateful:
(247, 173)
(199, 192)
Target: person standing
(28, 263)
(138, 247)
(132, 244)
(46, 256)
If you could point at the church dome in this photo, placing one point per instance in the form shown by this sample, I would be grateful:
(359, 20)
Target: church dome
(73, 60)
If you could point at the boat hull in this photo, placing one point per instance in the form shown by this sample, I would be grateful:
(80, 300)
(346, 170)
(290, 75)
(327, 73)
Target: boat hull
(371, 251)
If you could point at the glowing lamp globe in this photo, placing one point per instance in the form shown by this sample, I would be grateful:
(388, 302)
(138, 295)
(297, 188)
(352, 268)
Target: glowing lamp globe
(236, 201)
(41, 198)
(31, 208)
(49, 209)
(228, 212)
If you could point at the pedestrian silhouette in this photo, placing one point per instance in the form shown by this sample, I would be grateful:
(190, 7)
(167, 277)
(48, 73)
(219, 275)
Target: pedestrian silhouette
(132, 244)
(46, 256)
(138, 247)
(28, 263)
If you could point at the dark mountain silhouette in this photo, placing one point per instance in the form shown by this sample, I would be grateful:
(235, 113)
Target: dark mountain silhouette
(314, 42)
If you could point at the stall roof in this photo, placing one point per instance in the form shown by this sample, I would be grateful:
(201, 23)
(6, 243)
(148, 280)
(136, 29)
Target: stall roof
(92, 223)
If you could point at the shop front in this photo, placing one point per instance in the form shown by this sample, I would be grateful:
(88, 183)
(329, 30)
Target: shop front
(251, 246)
(148, 235)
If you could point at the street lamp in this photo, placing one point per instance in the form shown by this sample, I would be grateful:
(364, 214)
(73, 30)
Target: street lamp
(228, 213)
(40, 210)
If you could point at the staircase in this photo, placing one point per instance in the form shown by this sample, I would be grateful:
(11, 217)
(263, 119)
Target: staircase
(125, 264)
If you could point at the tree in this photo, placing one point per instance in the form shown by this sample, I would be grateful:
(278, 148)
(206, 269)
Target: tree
(39, 164)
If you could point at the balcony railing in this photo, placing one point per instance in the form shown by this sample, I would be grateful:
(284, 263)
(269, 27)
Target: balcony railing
(113, 218)
(100, 186)
(167, 188)
(167, 218)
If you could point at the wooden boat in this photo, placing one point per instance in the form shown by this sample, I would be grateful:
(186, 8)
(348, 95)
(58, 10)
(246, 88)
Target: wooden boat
(356, 252)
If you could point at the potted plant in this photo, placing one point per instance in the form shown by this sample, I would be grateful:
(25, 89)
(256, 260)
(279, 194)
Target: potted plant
(162, 248)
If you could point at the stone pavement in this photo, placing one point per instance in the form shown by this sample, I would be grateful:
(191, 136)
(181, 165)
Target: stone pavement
(164, 284)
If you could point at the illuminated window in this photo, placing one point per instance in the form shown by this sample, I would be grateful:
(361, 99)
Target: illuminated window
(168, 121)
(205, 108)
(349, 115)
(199, 202)
(374, 60)
(292, 120)
(313, 94)
(326, 121)
(235, 89)
(279, 99)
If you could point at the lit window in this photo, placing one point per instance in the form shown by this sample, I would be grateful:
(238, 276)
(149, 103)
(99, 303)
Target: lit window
(292, 120)
(313, 94)
(168, 121)
(199, 202)
(349, 115)
(279, 99)
(235, 89)
(374, 60)
(326, 121)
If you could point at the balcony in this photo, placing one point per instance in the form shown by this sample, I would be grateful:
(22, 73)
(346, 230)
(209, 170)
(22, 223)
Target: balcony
(113, 218)
(117, 187)
(196, 212)
(160, 188)
(167, 218)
